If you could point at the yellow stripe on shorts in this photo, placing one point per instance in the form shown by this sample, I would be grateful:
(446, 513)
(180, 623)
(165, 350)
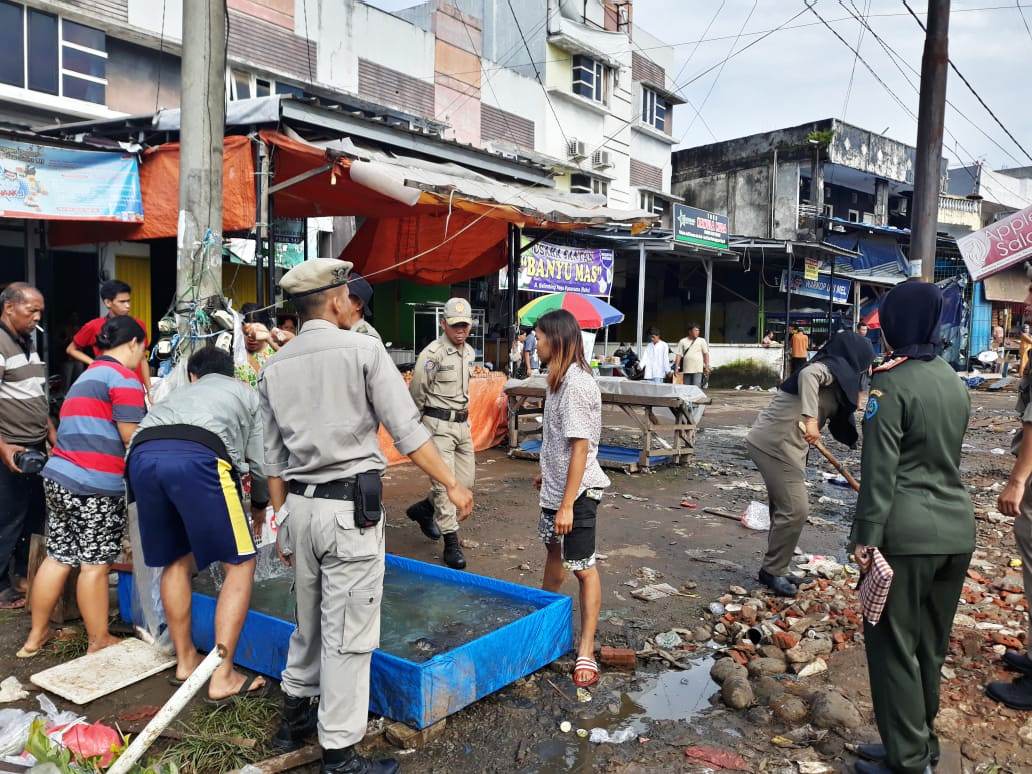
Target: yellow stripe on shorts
(241, 529)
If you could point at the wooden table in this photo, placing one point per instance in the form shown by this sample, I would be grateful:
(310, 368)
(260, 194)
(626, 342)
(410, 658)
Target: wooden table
(527, 402)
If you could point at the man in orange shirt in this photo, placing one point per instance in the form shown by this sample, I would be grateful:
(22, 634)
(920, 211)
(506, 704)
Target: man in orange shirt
(799, 344)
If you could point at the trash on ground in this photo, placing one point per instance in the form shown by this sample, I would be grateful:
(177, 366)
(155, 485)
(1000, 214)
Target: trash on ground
(756, 516)
(601, 736)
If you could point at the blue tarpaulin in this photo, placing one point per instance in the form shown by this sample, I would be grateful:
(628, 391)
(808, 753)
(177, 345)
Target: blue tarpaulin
(417, 694)
(874, 249)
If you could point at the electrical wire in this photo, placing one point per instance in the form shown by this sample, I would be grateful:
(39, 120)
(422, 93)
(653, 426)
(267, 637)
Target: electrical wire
(308, 43)
(537, 74)
(972, 88)
(852, 70)
(1017, 4)
(161, 57)
(684, 66)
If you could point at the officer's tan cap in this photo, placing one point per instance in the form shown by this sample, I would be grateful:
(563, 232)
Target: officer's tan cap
(315, 276)
(457, 311)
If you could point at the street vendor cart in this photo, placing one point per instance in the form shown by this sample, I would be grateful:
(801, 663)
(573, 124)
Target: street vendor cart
(638, 400)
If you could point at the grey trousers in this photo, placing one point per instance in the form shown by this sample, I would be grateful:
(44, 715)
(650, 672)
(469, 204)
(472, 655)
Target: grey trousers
(338, 586)
(789, 507)
(455, 445)
(1023, 537)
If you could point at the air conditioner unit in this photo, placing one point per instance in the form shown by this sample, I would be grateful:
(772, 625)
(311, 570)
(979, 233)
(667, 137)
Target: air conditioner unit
(600, 159)
(575, 149)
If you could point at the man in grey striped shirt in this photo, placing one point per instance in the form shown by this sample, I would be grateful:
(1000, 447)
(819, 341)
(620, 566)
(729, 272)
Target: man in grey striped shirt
(24, 424)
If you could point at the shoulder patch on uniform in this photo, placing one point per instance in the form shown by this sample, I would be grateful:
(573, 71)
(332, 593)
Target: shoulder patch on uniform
(430, 365)
(876, 393)
(872, 408)
(890, 364)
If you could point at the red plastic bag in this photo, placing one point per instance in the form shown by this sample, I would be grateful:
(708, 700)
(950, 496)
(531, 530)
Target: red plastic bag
(721, 759)
(92, 740)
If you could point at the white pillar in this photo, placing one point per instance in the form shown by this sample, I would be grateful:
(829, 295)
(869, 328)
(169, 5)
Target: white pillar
(641, 296)
(709, 295)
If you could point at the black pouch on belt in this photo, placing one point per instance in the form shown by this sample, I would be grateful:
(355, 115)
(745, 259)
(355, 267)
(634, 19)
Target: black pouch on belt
(368, 499)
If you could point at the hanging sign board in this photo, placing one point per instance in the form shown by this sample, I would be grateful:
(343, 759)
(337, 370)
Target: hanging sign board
(1005, 243)
(812, 268)
(548, 268)
(818, 288)
(698, 227)
(48, 183)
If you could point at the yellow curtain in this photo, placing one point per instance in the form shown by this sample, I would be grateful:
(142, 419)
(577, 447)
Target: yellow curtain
(135, 270)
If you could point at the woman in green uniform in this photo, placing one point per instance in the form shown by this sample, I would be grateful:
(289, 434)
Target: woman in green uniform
(914, 508)
(825, 390)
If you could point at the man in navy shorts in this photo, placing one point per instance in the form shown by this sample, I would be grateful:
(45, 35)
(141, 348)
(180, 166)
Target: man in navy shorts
(183, 470)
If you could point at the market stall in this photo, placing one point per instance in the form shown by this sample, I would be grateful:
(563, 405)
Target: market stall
(638, 400)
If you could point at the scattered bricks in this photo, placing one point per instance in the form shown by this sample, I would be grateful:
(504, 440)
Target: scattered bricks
(785, 640)
(782, 624)
(749, 614)
(746, 646)
(809, 649)
(739, 657)
(840, 638)
(619, 658)
(1012, 643)
(407, 738)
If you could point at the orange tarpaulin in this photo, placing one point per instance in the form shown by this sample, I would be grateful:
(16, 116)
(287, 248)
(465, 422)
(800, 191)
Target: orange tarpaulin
(159, 188)
(488, 412)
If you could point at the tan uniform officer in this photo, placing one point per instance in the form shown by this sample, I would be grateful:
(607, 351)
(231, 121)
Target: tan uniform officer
(323, 397)
(440, 388)
(361, 293)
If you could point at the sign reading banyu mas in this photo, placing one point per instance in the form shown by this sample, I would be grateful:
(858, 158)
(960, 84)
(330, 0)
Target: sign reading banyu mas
(698, 227)
(50, 183)
(996, 247)
(549, 268)
(818, 288)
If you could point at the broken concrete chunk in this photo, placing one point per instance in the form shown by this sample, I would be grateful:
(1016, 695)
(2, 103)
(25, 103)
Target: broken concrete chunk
(726, 668)
(833, 710)
(737, 693)
(760, 667)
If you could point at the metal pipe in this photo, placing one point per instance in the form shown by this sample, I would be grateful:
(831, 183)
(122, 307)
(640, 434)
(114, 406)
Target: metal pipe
(709, 294)
(641, 296)
(169, 712)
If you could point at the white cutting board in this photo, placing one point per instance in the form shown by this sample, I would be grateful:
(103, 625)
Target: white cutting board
(97, 674)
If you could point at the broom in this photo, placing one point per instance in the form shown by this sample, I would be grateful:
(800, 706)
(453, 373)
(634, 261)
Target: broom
(819, 446)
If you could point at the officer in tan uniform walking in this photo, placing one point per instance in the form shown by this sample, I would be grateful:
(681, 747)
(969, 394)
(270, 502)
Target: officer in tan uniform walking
(323, 397)
(440, 388)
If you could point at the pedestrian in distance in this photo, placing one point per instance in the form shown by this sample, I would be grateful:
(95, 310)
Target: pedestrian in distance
(799, 348)
(1016, 501)
(571, 481)
(440, 389)
(769, 340)
(692, 357)
(863, 329)
(117, 298)
(84, 485)
(323, 398)
(826, 391)
(531, 361)
(25, 429)
(184, 468)
(915, 510)
(655, 358)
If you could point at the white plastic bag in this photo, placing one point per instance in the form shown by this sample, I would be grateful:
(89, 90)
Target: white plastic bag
(148, 613)
(756, 516)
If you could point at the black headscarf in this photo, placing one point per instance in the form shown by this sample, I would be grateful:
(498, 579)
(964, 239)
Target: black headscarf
(848, 356)
(909, 317)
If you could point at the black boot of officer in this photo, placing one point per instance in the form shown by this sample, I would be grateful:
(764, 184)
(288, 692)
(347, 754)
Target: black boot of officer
(348, 761)
(423, 514)
(453, 556)
(300, 717)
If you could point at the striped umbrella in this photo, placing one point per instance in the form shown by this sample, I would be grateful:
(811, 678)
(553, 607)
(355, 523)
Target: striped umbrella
(589, 311)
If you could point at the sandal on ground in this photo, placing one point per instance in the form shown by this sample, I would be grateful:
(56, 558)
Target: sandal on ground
(245, 692)
(11, 599)
(585, 664)
(33, 652)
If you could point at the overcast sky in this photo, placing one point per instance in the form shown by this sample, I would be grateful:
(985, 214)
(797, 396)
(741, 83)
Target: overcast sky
(801, 73)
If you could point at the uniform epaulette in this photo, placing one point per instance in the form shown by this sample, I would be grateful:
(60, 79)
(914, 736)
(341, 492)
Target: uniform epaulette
(890, 364)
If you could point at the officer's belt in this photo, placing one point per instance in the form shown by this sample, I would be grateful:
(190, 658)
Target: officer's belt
(446, 414)
(342, 489)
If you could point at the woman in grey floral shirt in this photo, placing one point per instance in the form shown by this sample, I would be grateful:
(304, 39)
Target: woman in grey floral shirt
(571, 480)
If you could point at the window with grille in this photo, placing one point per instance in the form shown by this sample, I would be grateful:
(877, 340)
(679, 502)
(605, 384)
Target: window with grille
(49, 54)
(653, 109)
(590, 78)
(649, 202)
(588, 184)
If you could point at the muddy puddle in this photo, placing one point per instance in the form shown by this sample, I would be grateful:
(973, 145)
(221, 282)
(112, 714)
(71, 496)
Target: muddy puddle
(626, 714)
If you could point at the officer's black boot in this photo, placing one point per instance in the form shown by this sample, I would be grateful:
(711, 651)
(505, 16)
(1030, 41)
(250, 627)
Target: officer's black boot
(453, 552)
(423, 514)
(779, 584)
(300, 719)
(348, 761)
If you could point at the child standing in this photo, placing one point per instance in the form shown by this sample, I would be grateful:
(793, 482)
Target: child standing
(571, 481)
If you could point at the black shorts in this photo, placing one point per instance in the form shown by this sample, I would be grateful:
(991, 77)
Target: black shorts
(579, 543)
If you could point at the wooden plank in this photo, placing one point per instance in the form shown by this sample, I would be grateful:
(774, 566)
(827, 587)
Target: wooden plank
(67, 607)
(288, 761)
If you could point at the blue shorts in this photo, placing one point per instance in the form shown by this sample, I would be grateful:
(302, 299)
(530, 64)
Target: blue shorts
(188, 502)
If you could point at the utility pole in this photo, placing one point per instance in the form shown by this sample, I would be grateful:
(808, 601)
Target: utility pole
(203, 122)
(930, 118)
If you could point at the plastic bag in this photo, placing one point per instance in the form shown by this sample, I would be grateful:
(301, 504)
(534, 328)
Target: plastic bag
(601, 736)
(756, 516)
(14, 730)
(148, 613)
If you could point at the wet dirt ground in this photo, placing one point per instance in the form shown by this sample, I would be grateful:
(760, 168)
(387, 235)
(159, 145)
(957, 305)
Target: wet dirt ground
(642, 524)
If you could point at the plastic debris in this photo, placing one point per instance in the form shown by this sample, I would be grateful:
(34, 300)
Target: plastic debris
(583, 696)
(566, 726)
(601, 736)
(825, 500)
(716, 609)
(11, 690)
(721, 759)
(756, 516)
(654, 592)
(668, 640)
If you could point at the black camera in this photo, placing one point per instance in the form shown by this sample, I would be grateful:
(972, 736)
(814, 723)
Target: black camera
(30, 461)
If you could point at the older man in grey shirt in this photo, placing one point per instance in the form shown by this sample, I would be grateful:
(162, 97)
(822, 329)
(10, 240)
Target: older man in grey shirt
(323, 398)
(183, 470)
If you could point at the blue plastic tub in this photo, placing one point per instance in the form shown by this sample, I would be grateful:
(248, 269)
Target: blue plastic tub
(417, 694)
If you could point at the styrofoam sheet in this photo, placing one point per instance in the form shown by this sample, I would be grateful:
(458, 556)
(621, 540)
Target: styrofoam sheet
(89, 677)
(417, 694)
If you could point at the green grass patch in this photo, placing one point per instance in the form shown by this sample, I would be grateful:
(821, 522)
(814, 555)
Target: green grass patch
(213, 737)
(747, 373)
